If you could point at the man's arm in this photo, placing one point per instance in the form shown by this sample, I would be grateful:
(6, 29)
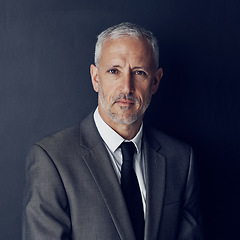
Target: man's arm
(191, 225)
(46, 211)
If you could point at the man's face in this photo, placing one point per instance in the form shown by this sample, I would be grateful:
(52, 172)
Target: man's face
(125, 80)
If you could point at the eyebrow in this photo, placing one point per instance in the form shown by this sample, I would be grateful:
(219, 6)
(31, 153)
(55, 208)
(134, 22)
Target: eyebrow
(144, 68)
(134, 68)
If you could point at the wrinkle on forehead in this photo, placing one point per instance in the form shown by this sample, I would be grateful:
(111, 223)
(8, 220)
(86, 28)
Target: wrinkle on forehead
(127, 51)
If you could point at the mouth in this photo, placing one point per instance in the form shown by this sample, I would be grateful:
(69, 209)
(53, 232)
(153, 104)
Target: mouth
(125, 102)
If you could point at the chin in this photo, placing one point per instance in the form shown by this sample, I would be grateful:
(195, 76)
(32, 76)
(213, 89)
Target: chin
(130, 119)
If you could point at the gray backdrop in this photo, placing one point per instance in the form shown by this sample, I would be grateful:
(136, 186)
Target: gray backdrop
(46, 48)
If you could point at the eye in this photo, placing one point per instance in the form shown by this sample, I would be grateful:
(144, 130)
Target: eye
(113, 71)
(140, 73)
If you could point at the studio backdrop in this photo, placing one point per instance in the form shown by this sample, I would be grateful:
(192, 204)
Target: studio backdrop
(46, 48)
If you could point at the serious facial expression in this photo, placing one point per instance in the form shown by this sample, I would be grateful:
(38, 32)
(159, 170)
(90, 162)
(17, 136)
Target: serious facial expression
(125, 79)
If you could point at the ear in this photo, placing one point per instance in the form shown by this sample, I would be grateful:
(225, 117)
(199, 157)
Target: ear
(94, 77)
(157, 78)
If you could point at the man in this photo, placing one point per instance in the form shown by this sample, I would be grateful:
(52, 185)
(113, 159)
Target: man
(78, 184)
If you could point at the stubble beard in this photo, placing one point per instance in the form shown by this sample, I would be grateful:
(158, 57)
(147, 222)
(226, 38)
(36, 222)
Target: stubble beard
(122, 118)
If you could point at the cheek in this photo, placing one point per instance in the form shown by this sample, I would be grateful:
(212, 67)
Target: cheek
(110, 90)
(107, 93)
(144, 93)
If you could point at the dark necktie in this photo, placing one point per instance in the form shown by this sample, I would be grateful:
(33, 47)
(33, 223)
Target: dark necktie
(131, 190)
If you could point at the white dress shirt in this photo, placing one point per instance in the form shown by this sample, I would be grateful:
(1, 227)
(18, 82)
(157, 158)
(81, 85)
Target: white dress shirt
(112, 141)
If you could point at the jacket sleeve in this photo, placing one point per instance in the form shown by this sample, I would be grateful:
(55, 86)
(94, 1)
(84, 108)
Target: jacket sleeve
(191, 224)
(46, 210)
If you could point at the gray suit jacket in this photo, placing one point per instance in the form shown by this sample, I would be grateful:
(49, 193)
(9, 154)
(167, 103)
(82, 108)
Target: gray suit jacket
(72, 191)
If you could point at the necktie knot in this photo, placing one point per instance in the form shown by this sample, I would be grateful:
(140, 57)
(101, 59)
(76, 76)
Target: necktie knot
(128, 150)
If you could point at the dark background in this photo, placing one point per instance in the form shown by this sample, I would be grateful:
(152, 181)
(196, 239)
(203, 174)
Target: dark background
(46, 48)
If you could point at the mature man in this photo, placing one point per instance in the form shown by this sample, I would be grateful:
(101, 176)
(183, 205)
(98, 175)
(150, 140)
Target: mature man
(111, 177)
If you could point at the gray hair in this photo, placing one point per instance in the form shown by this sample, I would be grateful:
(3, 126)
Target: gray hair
(126, 29)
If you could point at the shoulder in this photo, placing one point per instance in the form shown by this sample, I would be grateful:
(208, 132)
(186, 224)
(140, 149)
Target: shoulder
(168, 145)
(61, 138)
(59, 151)
(163, 138)
(67, 139)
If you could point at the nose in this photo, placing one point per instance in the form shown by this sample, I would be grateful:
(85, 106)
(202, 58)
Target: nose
(128, 83)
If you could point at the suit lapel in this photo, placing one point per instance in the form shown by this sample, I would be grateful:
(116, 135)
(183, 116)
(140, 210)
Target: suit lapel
(155, 187)
(99, 164)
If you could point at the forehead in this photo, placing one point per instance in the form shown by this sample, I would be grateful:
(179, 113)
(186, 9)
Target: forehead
(127, 48)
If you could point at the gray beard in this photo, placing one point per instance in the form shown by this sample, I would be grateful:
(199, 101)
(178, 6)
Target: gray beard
(116, 118)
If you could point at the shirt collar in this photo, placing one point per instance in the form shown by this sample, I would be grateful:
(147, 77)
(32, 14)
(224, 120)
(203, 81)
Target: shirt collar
(112, 138)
